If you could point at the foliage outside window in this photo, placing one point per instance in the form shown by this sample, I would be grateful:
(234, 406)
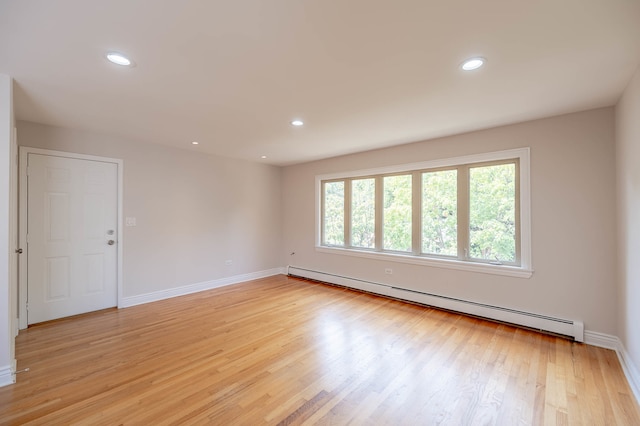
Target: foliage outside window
(333, 219)
(492, 212)
(465, 212)
(397, 213)
(440, 212)
(363, 213)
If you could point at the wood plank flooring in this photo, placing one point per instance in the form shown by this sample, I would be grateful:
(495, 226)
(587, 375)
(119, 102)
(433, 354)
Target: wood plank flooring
(284, 351)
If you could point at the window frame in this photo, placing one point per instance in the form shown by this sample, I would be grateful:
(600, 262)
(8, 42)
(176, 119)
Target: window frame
(376, 212)
(521, 156)
(411, 176)
(347, 212)
(467, 207)
(459, 215)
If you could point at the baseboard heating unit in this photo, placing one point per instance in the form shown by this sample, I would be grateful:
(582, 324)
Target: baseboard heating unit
(569, 328)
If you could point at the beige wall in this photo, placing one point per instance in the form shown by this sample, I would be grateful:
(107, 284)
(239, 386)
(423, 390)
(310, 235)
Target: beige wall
(628, 185)
(573, 219)
(193, 211)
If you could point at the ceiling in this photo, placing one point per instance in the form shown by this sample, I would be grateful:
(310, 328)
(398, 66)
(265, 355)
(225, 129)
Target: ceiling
(361, 74)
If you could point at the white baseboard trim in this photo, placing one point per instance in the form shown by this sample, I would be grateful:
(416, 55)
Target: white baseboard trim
(630, 370)
(607, 341)
(574, 328)
(601, 340)
(6, 376)
(197, 287)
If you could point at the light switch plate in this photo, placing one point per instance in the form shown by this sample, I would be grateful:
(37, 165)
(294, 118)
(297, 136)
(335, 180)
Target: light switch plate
(130, 221)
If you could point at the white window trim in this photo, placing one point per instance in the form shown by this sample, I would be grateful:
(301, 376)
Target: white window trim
(525, 270)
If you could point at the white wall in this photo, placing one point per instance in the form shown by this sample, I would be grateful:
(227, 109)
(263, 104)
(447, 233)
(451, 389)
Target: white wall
(628, 186)
(193, 211)
(7, 300)
(573, 219)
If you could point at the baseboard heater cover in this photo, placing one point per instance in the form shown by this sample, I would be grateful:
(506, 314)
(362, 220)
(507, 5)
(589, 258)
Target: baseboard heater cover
(570, 328)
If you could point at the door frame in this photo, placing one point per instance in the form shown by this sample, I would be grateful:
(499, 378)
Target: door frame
(22, 228)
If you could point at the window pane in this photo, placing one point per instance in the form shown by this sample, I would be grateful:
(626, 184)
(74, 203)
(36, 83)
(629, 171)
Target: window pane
(440, 212)
(363, 213)
(397, 213)
(333, 213)
(492, 212)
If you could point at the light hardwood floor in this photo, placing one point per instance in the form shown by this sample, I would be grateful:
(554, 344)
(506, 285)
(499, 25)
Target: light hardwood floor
(287, 351)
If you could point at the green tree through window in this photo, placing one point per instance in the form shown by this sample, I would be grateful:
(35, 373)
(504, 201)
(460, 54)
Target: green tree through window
(467, 211)
(492, 214)
(363, 213)
(397, 213)
(333, 220)
(440, 212)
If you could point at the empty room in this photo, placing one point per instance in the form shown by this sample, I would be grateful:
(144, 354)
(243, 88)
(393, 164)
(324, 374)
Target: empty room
(319, 212)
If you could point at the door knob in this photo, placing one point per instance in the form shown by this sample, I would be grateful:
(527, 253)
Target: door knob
(111, 242)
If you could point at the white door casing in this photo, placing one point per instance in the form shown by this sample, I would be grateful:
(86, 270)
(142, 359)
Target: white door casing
(72, 236)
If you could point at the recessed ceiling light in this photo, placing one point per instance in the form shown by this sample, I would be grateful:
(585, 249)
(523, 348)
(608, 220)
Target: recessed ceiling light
(297, 123)
(195, 143)
(473, 64)
(263, 157)
(119, 59)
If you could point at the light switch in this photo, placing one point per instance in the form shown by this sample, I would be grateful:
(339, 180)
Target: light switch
(130, 221)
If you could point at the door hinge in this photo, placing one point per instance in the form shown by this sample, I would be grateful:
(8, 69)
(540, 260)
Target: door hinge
(27, 305)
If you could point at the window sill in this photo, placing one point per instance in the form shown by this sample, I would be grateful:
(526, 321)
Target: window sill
(510, 271)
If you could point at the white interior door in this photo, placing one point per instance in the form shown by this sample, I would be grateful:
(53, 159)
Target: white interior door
(72, 214)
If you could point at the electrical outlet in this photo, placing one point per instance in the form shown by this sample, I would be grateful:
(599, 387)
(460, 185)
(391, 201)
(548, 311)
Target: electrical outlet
(228, 262)
(388, 271)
